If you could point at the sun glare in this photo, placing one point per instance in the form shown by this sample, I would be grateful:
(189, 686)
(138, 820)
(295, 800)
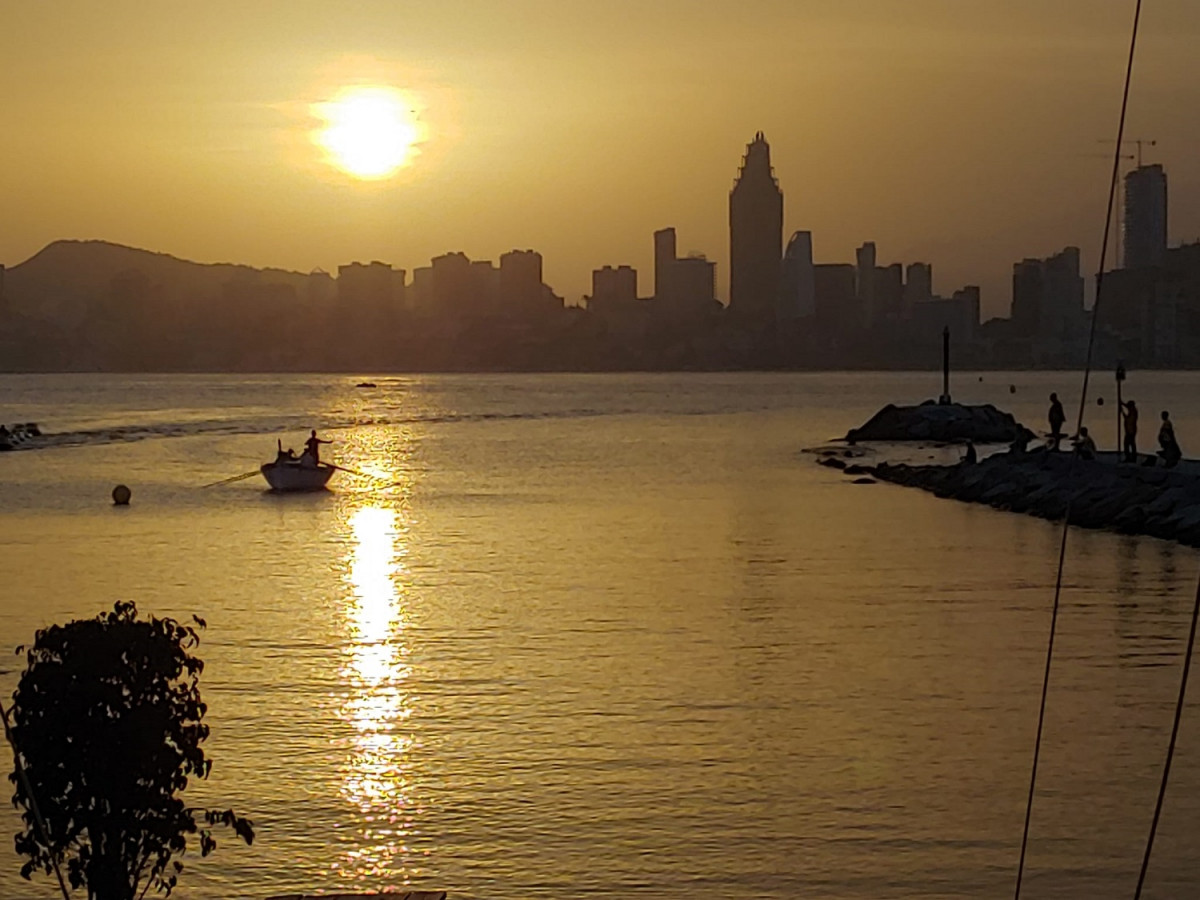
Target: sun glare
(369, 132)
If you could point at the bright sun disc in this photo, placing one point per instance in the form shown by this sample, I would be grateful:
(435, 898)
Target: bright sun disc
(370, 132)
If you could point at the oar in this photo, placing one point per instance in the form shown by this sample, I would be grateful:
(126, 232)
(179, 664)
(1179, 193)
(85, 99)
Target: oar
(241, 477)
(383, 481)
(355, 472)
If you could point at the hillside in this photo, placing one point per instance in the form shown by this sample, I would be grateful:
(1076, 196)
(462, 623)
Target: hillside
(63, 281)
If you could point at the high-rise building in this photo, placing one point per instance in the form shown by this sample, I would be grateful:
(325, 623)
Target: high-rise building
(420, 294)
(1145, 226)
(755, 234)
(485, 287)
(1048, 296)
(683, 287)
(918, 284)
(889, 292)
(967, 299)
(374, 286)
(798, 289)
(865, 284)
(1027, 290)
(520, 282)
(836, 302)
(664, 259)
(613, 288)
(693, 285)
(321, 289)
(452, 284)
(960, 314)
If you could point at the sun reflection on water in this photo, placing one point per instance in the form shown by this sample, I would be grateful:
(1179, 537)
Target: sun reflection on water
(377, 776)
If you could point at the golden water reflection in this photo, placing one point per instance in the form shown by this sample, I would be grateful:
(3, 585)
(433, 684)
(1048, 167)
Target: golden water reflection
(377, 776)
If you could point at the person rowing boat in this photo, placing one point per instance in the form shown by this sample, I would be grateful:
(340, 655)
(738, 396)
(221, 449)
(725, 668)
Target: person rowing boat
(312, 449)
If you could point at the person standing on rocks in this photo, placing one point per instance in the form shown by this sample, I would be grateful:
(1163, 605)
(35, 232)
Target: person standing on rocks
(1057, 418)
(1168, 446)
(1129, 417)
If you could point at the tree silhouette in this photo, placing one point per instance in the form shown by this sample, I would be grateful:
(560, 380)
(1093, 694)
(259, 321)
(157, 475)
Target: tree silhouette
(108, 722)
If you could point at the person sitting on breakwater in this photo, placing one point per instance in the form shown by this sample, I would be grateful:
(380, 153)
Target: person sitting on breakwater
(1129, 417)
(1057, 418)
(971, 456)
(1168, 446)
(1084, 445)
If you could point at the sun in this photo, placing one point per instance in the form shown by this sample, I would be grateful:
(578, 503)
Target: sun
(369, 132)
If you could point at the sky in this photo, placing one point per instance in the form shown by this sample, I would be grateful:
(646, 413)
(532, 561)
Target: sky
(964, 133)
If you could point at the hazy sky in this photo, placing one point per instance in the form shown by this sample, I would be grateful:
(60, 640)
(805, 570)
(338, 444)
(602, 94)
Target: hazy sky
(960, 132)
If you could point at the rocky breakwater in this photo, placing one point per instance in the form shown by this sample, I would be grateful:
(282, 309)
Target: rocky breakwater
(941, 422)
(1163, 503)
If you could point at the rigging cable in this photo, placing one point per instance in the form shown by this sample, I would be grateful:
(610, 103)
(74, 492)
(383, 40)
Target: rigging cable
(1087, 371)
(1162, 788)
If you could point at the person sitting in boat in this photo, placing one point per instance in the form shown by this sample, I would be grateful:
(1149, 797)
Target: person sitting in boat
(312, 449)
(284, 456)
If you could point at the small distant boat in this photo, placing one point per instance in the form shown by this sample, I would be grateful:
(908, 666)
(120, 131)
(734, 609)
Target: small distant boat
(294, 476)
(18, 434)
(366, 384)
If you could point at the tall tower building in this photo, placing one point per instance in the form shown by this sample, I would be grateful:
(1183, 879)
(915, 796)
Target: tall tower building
(1145, 217)
(755, 234)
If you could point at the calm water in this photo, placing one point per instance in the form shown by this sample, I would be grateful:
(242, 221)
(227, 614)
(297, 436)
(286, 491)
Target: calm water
(616, 634)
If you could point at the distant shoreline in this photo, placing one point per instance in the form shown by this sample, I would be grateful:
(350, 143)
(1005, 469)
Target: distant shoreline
(575, 371)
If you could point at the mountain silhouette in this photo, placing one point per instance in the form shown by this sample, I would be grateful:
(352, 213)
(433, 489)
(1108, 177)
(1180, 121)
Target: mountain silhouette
(62, 282)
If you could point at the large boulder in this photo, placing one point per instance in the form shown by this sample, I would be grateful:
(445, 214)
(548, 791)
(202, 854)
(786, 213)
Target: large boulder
(941, 422)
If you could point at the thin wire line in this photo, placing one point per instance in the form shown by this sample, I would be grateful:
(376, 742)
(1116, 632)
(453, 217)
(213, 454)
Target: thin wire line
(1087, 371)
(1162, 788)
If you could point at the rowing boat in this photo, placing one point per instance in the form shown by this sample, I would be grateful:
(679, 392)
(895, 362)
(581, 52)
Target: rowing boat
(292, 476)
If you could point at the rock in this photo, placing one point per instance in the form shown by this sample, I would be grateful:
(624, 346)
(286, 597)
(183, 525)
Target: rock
(832, 463)
(864, 481)
(948, 423)
(1128, 499)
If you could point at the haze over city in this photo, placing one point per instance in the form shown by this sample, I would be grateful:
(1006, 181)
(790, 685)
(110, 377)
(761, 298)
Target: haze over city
(965, 134)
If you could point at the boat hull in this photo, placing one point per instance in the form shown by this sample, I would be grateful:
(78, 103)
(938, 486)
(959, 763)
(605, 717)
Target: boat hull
(291, 478)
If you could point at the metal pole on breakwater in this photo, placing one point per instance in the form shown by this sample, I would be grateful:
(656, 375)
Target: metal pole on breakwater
(945, 398)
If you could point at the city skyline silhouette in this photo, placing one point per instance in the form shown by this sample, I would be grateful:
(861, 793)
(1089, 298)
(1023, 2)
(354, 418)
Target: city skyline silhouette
(964, 136)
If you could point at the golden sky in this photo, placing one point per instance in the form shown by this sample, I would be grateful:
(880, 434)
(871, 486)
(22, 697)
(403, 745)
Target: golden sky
(960, 132)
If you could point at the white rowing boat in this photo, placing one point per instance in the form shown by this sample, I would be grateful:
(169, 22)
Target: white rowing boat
(291, 476)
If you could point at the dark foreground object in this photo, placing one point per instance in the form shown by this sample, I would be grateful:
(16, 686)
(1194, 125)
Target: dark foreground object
(1131, 499)
(941, 422)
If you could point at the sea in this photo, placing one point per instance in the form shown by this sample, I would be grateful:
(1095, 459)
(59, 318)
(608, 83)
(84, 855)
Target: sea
(559, 636)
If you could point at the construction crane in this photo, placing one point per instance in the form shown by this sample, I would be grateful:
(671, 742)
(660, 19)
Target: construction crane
(1138, 142)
